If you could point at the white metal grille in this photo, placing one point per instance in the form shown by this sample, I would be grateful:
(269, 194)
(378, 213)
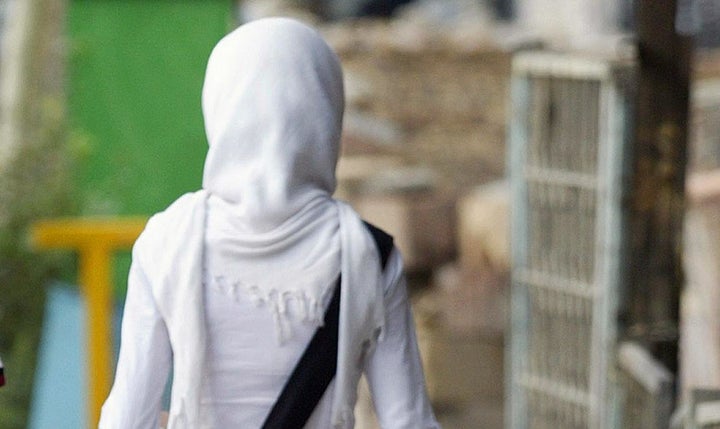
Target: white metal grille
(566, 150)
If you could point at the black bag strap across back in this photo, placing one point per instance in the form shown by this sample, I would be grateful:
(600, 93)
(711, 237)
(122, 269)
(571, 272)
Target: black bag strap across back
(317, 365)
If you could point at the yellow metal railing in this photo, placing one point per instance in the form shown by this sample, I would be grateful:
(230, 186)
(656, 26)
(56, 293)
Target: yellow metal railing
(95, 241)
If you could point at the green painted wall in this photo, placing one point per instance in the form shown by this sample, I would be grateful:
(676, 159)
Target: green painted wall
(135, 77)
(136, 70)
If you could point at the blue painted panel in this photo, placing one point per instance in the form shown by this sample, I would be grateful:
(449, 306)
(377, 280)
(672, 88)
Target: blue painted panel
(60, 392)
(60, 388)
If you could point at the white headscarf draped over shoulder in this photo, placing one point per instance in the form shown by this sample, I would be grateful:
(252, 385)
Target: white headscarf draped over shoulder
(273, 106)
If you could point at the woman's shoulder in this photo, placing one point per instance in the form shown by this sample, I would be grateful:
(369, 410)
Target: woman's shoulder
(169, 225)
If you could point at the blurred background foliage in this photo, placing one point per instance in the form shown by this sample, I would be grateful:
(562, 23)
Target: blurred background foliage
(35, 181)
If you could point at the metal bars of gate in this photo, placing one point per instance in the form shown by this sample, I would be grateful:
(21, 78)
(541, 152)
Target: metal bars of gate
(567, 143)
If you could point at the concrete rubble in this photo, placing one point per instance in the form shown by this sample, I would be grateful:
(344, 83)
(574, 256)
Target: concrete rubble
(433, 106)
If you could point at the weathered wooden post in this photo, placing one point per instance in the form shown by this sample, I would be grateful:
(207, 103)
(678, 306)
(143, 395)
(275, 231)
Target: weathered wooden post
(656, 199)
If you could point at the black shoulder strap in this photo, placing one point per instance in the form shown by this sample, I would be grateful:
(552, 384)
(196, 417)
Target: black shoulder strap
(317, 365)
(311, 376)
(383, 241)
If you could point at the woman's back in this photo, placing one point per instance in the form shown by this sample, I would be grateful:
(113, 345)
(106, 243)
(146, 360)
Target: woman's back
(229, 283)
(246, 366)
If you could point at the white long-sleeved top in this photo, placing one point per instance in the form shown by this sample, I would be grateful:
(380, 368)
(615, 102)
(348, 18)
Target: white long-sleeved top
(246, 367)
(264, 229)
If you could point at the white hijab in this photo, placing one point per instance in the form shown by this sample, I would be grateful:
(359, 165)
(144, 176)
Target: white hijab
(273, 105)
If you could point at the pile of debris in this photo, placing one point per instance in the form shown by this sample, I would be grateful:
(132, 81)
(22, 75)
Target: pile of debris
(425, 123)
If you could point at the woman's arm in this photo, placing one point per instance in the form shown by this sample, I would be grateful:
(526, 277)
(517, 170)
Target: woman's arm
(394, 370)
(144, 362)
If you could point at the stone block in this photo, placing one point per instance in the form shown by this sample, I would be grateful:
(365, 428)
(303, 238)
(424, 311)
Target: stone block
(422, 223)
(484, 229)
(472, 302)
(459, 366)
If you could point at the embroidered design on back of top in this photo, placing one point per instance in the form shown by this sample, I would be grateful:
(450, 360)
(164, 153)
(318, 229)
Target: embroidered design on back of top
(286, 305)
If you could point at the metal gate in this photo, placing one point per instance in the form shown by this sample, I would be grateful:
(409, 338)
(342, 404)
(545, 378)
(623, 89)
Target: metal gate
(568, 139)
